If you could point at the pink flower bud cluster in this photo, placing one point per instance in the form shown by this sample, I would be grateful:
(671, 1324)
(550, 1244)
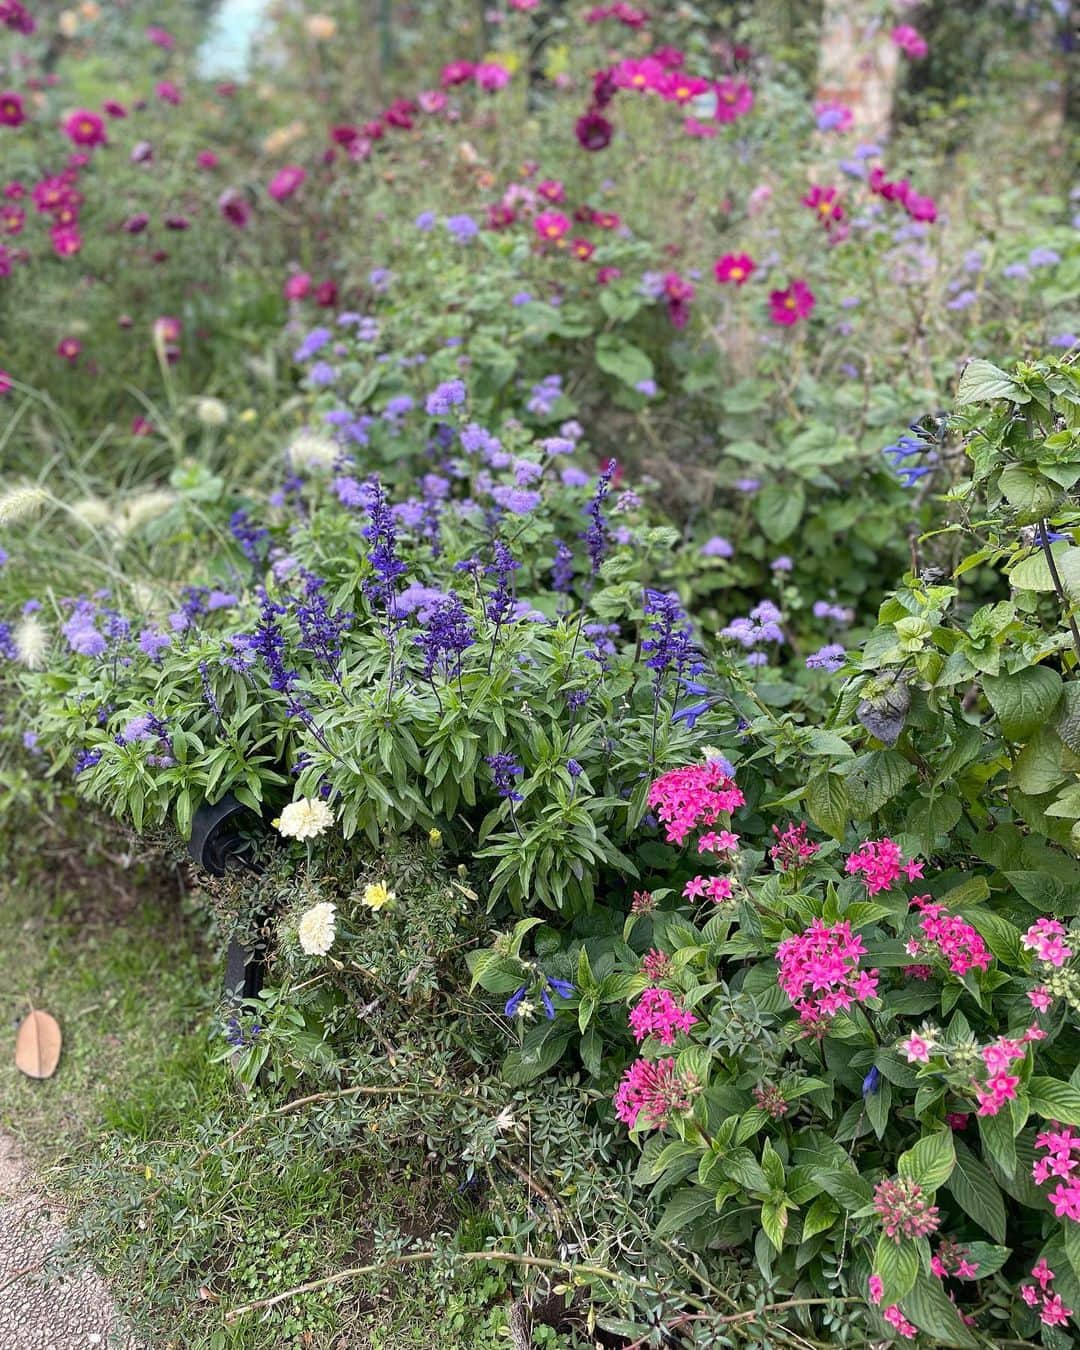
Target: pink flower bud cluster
(657, 1013)
(819, 972)
(881, 864)
(792, 848)
(1060, 1148)
(954, 940)
(656, 964)
(1044, 938)
(771, 1100)
(952, 1259)
(1052, 1312)
(652, 1091)
(685, 799)
(903, 1209)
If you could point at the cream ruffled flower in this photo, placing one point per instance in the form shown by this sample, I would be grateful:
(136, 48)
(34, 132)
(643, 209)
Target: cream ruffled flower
(310, 451)
(305, 819)
(377, 895)
(31, 643)
(317, 929)
(211, 412)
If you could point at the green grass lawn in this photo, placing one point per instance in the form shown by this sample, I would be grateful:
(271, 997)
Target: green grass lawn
(140, 1092)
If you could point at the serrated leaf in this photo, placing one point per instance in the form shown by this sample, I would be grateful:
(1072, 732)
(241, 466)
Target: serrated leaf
(778, 508)
(774, 1220)
(929, 1307)
(982, 381)
(1054, 1100)
(897, 1266)
(1025, 700)
(827, 803)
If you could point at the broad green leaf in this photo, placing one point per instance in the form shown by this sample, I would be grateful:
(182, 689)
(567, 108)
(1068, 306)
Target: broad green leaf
(932, 1311)
(827, 803)
(982, 381)
(845, 1186)
(820, 1217)
(976, 1192)
(930, 1161)
(1037, 768)
(987, 1258)
(874, 779)
(1025, 701)
(623, 360)
(1054, 1100)
(686, 1206)
(1067, 724)
(778, 508)
(998, 1140)
(897, 1266)
(774, 1219)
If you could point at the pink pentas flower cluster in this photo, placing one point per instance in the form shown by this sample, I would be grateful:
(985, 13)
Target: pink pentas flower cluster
(655, 964)
(699, 794)
(881, 864)
(952, 1259)
(1045, 938)
(892, 1314)
(652, 1091)
(948, 936)
(716, 889)
(1060, 1149)
(658, 1013)
(792, 848)
(998, 1057)
(820, 972)
(903, 1209)
(1051, 1309)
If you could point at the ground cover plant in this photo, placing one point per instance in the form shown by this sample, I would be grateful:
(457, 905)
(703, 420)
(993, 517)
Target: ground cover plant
(610, 525)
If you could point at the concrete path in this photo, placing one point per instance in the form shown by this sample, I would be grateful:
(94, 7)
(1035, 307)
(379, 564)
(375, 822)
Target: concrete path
(77, 1314)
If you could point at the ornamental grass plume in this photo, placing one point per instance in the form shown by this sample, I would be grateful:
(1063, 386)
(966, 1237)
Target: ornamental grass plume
(304, 819)
(317, 929)
(21, 503)
(31, 643)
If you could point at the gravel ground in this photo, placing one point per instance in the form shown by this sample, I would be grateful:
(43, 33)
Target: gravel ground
(76, 1314)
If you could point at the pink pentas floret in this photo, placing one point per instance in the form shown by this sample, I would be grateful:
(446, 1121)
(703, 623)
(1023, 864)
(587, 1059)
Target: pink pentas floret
(716, 889)
(686, 799)
(1052, 1311)
(896, 1318)
(718, 841)
(657, 1013)
(792, 848)
(1045, 939)
(820, 972)
(881, 864)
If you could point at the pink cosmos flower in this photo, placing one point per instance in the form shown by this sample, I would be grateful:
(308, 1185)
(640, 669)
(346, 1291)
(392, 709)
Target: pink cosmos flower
(593, 131)
(161, 37)
(552, 190)
(12, 111)
(490, 76)
(604, 275)
(169, 92)
(431, 101)
(69, 348)
(551, 226)
(66, 242)
(678, 87)
(206, 159)
(734, 99)
(582, 248)
(788, 306)
(286, 181)
(113, 109)
(910, 41)
(6, 383)
(678, 293)
(642, 76)
(85, 128)
(12, 219)
(734, 267)
(825, 203)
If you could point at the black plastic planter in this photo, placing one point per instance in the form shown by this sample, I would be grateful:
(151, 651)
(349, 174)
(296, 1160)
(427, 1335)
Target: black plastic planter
(222, 835)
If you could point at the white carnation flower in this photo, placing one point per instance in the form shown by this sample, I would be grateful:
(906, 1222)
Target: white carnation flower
(211, 412)
(317, 929)
(305, 819)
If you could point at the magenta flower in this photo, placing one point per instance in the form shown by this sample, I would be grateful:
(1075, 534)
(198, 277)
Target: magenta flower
(286, 181)
(910, 41)
(734, 99)
(234, 208)
(593, 131)
(169, 92)
(69, 348)
(881, 864)
(551, 226)
(903, 1209)
(85, 128)
(457, 72)
(1044, 938)
(825, 203)
(734, 267)
(66, 242)
(820, 973)
(12, 111)
(657, 1013)
(685, 799)
(490, 76)
(787, 307)
(652, 1091)
(161, 37)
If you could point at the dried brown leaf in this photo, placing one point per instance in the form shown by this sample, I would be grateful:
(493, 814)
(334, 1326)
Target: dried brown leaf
(37, 1044)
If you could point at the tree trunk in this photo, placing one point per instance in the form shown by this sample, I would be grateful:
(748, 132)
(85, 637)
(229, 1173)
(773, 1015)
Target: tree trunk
(857, 64)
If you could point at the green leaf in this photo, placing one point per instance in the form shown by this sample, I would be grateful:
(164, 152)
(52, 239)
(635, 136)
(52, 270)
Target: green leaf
(741, 1166)
(982, 381)
(976, 1192)
(1002, 937)
(986, 1258)
(1037, 768)
(686, 1206)
(1054, 1100)
(998, 1140)
(827, 803)
(623, 360)
(820, 1217)
(774, 1219)
(929, 1307)
(778, 508)
(1067, 724)
(897, 1265)
(931, 1161)
(874, 779)
(541, 1049)
(1025, 701)
(845, 1186)
(1026, 489)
